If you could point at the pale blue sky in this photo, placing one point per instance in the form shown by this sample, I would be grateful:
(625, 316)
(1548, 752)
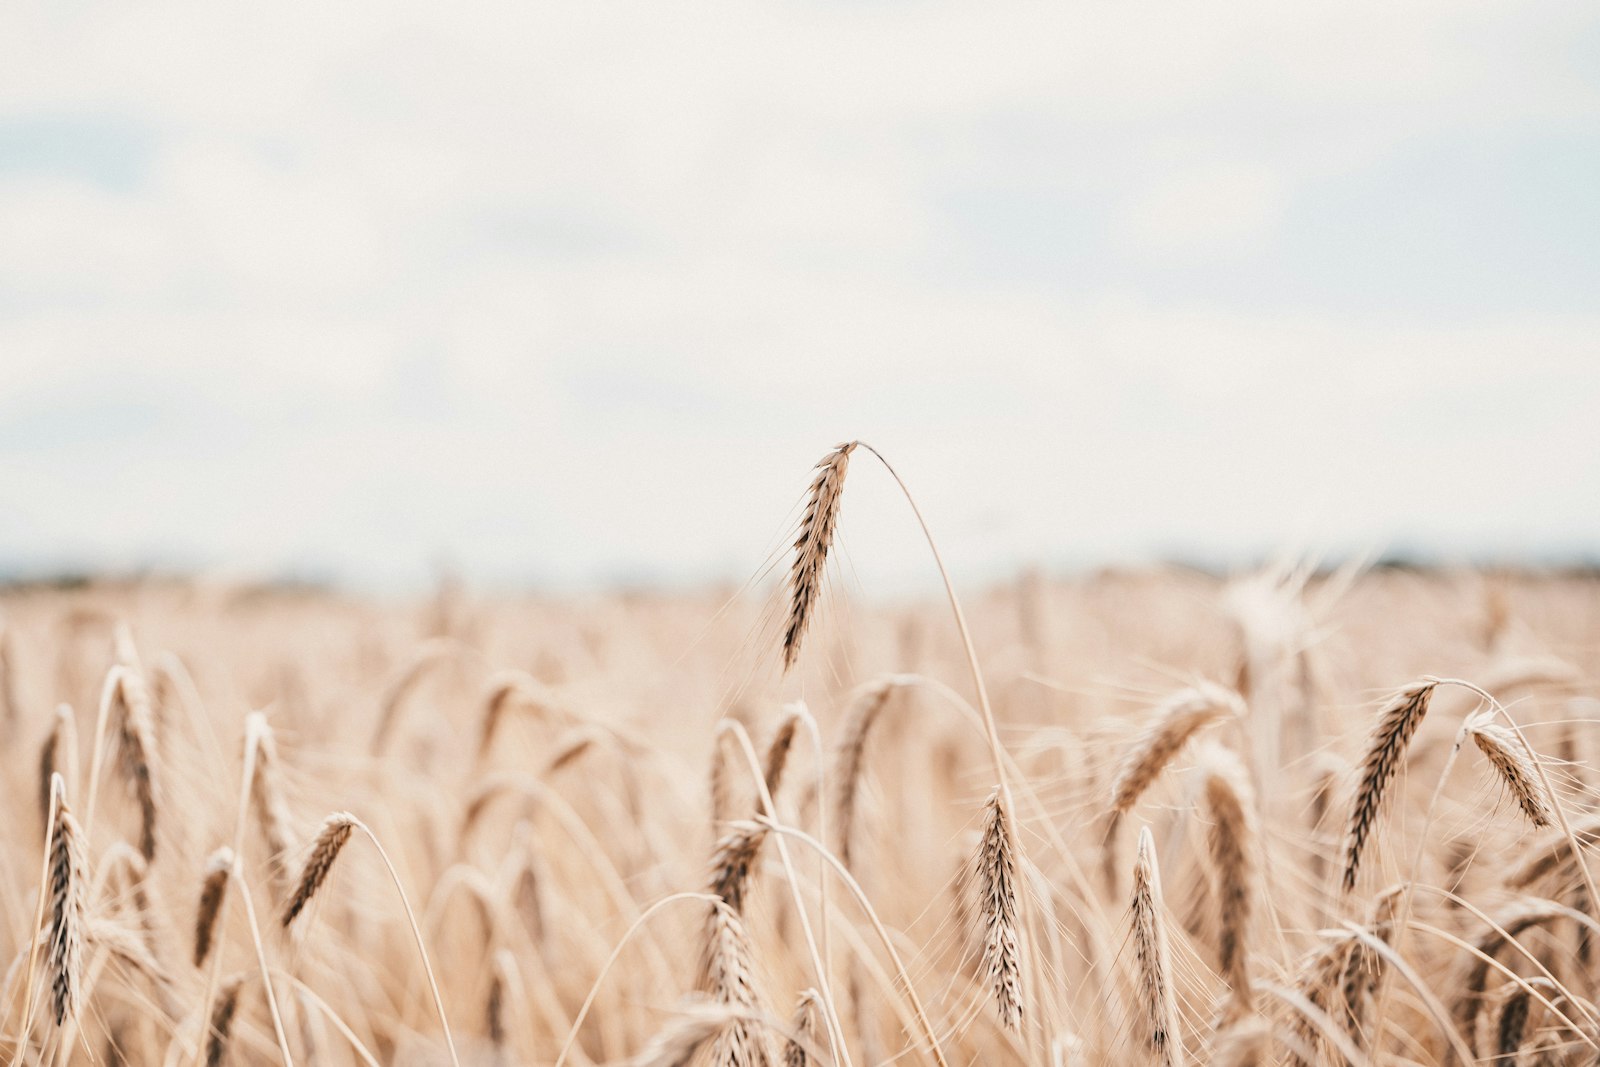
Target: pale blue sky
(568, 292)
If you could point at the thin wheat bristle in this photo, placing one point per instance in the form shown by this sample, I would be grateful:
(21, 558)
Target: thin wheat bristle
(1505, 753)
(1232, 843)
(68, 886)
(220, 1027)
(267, 797)
(804, 1030)
(1174, 722)
(847, 765)
(336, 830)
(812, 544)
(1396, 725)
(997, 879)
(213, 887)
(1157, 998)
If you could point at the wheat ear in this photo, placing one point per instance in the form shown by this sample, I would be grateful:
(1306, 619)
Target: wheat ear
(213, 887)
(1507, 756)
(1175, 721)
(220, 1028)
(732, 861)
(997, 878)
(778, 750)
(1157, 997)
(728, 975)
(335, 832)
(68, 886)
(1232, 842)
(138, 752)
(1396, 726)
(812, 544)
(271, 809)
(1246, 1042)
(680, 1041)
(807, 1022)
(58, 755)
(864, 711)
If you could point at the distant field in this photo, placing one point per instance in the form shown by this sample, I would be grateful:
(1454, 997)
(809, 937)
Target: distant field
(542, 775)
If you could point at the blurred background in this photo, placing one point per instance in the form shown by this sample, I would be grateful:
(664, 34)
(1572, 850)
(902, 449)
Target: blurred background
(569, 295)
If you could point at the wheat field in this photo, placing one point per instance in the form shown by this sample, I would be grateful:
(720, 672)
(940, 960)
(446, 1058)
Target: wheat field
(1298, 815)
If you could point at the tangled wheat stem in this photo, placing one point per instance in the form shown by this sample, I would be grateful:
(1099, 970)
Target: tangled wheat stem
(996, 751)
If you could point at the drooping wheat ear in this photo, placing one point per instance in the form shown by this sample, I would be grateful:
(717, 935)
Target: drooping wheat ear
(1520, 918)
(732, 861)
(1246, 1042)
(997, 903)
(812, 544)
(213, 887)
(138, 752)
(58, 755)
(1158, 999)
(1511, 761)
(267, 797)
(1387, 748)
(68, 891)
(393, 701)
(807, 1023)
(1319, 979)
(1503, 1027)
(864, 711)
(336, 830)
(1178, 718)
(680, 1041)
(220, 1029)
(505, 690)
(1232, 842)
(778, 750)
(728, 975)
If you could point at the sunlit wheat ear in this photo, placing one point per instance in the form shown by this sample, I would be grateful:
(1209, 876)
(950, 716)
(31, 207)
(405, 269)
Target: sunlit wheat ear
(1510, 760)
(1178, 719)
(732, 861)
(68, 884)
(1385, 751)
(1244, 1043)
(138, 751)
(1158, 1000)
(335, 832)
(271, 808)
(220, 1026)
(846, 778)
(806, 1026)
(811, 546)
(213, 887)
(58, 755)
(1232, 842)
(996, 881)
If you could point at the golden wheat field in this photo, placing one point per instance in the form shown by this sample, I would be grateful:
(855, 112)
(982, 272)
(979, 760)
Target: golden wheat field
(1296, 816)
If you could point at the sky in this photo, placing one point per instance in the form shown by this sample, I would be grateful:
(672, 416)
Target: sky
(577, 293)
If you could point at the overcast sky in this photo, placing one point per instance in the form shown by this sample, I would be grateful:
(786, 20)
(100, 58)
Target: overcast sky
(580, 291)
